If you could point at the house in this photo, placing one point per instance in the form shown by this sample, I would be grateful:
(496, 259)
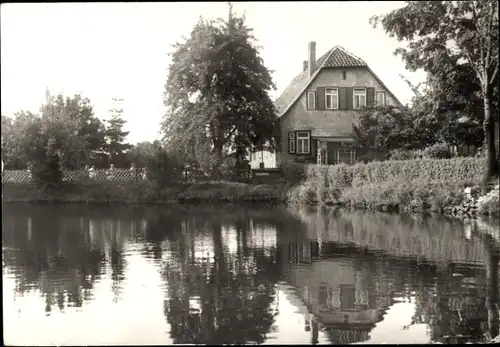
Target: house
(317, 110)
(260, 158)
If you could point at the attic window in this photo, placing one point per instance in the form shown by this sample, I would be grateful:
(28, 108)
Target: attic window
(344, 75)
(311, 100)
(380, 98)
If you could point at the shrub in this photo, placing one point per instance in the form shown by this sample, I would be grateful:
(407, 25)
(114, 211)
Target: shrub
(47, 174)
(403, 154)
(294, 173)
(437, 151)
(489, 204)
(164, 168)
(426, 184)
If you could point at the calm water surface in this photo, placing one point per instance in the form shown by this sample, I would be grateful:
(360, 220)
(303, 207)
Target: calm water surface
(99, 275)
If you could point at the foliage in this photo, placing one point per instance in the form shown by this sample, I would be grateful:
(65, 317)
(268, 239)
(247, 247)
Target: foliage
(47, 174)
(72, 128)
(66, 125)
(164, 168)
(403, 154)
(443, 35)
(418, 196)
(383, 128)
(116, 137)
(142, 152)
(328, 184)
(217, 93)
(489, 204)
(437, 151)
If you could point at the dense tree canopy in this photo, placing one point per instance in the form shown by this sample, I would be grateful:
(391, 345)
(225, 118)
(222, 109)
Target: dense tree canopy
(217, 92)
(444, 35)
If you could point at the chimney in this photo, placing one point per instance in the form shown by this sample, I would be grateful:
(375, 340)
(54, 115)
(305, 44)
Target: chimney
(312, 57)
(304, 65)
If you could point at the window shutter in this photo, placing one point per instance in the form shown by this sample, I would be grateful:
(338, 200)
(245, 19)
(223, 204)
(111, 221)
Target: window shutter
(320, 98)
(370, 96)
(349, 97)
(314, 146)
(291, 141)
(343, 98)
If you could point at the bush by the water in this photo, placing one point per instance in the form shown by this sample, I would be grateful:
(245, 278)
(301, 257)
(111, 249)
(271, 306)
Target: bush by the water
(402, 154)
(427, 185)
(489, 204)
(437, 151)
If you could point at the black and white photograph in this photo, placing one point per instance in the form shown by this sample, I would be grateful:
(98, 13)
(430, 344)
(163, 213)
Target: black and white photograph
(254, 172)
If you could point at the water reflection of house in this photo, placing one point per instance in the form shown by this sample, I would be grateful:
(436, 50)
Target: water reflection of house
(340, 291)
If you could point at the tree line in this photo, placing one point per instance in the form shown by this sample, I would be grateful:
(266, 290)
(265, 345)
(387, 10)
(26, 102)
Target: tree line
(218, 104)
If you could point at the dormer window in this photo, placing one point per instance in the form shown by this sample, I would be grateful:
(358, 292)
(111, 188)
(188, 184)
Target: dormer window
(380, 98)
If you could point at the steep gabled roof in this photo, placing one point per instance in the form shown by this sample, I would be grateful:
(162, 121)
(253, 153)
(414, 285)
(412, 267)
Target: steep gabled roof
(335, 57)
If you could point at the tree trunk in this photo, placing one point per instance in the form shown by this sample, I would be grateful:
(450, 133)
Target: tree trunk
(489, 142)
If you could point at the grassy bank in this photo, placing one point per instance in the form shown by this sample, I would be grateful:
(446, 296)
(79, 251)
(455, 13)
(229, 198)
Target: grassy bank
(145, 192)
(410, 185)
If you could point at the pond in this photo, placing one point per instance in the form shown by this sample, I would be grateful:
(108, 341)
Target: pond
(88, 275)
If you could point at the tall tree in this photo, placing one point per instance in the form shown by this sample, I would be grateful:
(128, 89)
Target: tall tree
(116, 137)
(76, 133)
(463, 32)
(217, 91)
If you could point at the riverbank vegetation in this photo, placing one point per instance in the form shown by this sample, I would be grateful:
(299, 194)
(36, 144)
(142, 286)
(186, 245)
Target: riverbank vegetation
(425, 185)
(145, 192)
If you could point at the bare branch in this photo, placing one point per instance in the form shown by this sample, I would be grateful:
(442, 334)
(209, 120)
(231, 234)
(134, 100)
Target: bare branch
(474, 66)
(492, 79)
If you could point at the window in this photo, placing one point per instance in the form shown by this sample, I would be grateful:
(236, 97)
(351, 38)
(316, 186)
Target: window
(359, 98)
(311, 100)
(380, 98)
(344, 75)
(332, 99)
(346, 156)
(303, 142)
(291, 142)
(347, 297)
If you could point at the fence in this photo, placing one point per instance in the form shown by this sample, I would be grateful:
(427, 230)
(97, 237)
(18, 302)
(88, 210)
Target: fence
(24, 176)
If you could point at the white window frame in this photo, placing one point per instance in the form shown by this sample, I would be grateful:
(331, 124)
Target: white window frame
(291, 142)
(303, 142)
(376, 98)
(309, 106)
(352, 155)
(332, 92)
(358, 92)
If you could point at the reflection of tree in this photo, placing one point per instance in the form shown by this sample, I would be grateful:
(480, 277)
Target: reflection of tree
(453, 307)
(221, 299)
(492, 250)
(51, 256)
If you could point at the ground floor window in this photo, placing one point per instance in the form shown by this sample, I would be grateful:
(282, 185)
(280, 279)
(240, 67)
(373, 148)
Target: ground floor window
(303, 142)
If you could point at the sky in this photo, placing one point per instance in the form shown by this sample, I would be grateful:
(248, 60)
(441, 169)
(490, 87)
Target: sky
(106, 50)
